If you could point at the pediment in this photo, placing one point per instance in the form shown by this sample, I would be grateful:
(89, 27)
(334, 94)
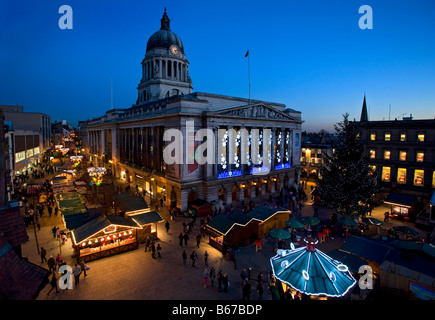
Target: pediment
(256, 111)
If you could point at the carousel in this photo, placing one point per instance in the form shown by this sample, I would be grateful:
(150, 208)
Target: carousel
(311, 272)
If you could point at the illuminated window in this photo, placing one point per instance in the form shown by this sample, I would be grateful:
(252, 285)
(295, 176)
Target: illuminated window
(373, 136)
(420, 137)
(387, 136)
(402, 156)
(433, 180)
(387, 154)
(373, 170)
(386, 174)
(403, 137)
(372, 154)
(401, 175)
(420, 156)
(418, 177)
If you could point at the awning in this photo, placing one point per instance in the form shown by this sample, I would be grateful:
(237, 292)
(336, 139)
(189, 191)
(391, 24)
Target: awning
(147, 218)
(400, 199)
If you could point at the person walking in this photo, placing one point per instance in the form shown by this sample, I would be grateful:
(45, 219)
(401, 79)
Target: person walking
(167, 226)
(51, 264)
(147, 243)
(205, 275)
(159, 248)
(184, 256)
(180, 240)
(198, 239)
(153, 249)
(77, 271)
(219, 279)
(225, 281)
(212, 275)
(260, 288)
(43, 255)
(246, 290)
(185, 237)
(193, 257)
(206, 258)
(53, 283)
(84, 267)
(54, 232)
(58, 259)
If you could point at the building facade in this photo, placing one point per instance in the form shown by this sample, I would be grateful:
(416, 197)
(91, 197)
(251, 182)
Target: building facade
(404, 152)
(29, 135)
(133, 140)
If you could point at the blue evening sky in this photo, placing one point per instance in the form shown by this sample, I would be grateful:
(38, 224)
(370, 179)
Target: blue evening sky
(310, 55)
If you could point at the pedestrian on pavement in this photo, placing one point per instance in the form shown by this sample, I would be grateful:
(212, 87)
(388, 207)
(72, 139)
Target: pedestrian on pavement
(58, 259)
(77, 271)
(147, 243)
(219, 278)
(246, 291)
(54, 232)
(57, 232)
(225, 281)
(243, 275)
(159, 248)
(53, 283)
(206, 258)
(212, 275)
(83, 266)
(260, 283)
(180, 239)
(50, 210)
(205, 275)
(56, 210)
(193, 257)
(167, 226)
(386, 216)
(186, 237)
(51, 264)
(43, 255)
(153, 249)
(198, 239)
(184, 256)
(38, 221)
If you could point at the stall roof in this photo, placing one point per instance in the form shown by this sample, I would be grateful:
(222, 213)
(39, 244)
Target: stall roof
(400, 199)
(224, 224)
(366, 248)
(130, 203)
(70, 199)
(93, 227)
(75, 221)
(263, 213)
(147, 217)
(221, 224)
(353, 262)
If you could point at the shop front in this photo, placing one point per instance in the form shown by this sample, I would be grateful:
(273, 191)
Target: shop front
(104, 237)
(401, 205)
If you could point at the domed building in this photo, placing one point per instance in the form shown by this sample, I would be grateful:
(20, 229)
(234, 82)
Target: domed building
(135, 139)
(165, 68)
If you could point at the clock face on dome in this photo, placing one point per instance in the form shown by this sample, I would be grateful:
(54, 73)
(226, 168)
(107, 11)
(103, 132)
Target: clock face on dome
(174, 50)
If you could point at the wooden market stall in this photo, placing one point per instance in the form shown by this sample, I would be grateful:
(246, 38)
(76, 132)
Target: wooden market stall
(148, 221)
(104, 237)
(240, 229)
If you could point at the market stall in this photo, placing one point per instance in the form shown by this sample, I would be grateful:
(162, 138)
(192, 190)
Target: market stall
(148, 221)
(104, 237)
(401, 205)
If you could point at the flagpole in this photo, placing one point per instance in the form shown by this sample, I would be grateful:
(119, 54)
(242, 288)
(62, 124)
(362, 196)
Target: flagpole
(249, 76)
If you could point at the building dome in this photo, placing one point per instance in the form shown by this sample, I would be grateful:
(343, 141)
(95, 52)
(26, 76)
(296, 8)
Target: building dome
(164, 38)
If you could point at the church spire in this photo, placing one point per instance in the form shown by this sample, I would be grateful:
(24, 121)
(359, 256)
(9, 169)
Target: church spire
(364, 115)
(165, 21)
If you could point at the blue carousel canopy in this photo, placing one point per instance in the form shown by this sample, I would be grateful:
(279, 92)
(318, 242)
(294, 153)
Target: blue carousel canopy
(312, 272)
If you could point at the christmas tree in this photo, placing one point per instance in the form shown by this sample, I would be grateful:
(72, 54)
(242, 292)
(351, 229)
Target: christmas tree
(347, 182)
